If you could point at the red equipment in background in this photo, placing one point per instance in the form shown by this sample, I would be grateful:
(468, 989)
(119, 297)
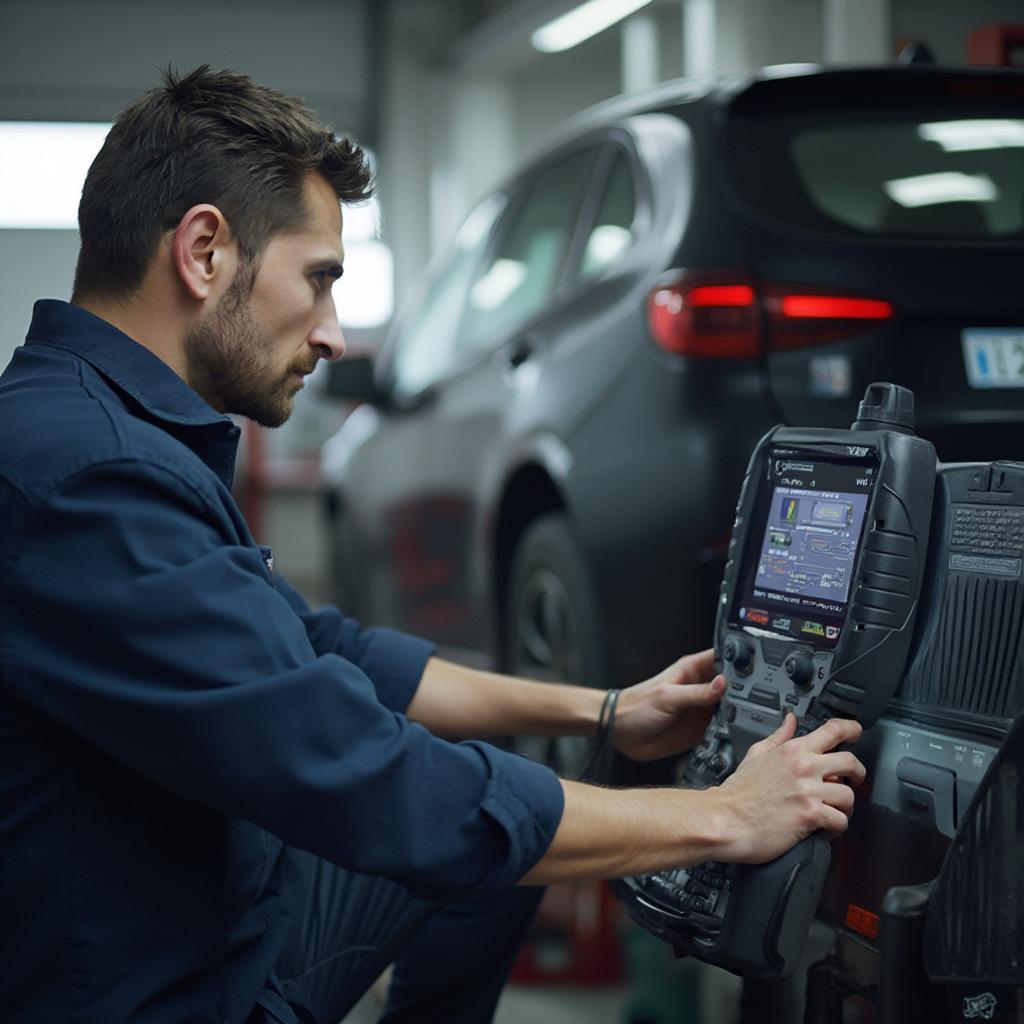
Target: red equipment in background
(999, 46)
(574, 940)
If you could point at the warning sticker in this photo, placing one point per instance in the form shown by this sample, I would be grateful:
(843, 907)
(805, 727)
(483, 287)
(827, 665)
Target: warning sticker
(989, 565)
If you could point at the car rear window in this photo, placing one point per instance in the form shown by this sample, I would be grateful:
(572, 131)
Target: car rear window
(922, 173)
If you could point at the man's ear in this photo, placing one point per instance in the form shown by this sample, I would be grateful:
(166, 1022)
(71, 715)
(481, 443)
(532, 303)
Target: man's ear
(203, 250)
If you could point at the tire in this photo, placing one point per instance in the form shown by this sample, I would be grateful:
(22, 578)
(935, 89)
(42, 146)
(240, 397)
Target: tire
(552, 630)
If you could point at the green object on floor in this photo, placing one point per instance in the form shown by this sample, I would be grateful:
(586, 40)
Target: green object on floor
(663, 989)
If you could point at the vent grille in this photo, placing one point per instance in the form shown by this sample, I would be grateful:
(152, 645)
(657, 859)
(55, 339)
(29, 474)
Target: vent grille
(972, 658)
(975, 928)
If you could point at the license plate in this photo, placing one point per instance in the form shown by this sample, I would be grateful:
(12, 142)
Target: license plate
(994, 356)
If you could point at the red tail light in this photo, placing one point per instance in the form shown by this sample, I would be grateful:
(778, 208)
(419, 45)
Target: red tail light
(832, 307)
(702, 316)
(721, 315)
(802, 317)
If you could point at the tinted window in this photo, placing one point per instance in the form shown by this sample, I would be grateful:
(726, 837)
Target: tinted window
(524, 269)
(611, 234)
(426, 346)
(927, 174)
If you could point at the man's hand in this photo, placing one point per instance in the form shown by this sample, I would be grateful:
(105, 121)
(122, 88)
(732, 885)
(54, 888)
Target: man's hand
(782, 792)
(785, 789)
(668, 713)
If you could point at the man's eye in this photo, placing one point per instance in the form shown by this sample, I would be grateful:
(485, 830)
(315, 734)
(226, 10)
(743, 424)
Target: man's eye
(322, 279)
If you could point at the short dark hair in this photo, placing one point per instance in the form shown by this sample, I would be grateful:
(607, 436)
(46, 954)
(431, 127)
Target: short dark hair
(206, 137)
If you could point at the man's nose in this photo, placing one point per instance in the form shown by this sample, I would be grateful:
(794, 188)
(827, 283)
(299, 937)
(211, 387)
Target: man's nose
(327, 337)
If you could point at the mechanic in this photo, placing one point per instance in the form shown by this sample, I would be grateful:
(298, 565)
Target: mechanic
(217, 804)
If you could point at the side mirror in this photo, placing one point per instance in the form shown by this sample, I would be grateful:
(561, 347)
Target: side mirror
(352, 379)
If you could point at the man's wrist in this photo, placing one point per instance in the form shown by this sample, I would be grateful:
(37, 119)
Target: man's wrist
(727, 836)
(594, 702)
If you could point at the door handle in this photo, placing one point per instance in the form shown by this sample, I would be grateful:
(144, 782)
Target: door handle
(515, 353)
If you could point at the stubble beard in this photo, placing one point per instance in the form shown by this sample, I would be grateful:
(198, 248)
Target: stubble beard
(229, 361)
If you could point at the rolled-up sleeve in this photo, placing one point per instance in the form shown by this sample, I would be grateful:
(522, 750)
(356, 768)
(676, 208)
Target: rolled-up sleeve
(138, 621)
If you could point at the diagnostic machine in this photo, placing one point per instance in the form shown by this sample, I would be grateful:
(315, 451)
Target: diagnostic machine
(816, 616)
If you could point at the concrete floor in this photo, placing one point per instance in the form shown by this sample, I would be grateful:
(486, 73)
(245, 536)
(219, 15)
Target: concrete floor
(717, 1002)
(659, 990)
(526, 1005)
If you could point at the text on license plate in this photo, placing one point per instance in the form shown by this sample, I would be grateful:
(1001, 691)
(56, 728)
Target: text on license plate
(994, 356)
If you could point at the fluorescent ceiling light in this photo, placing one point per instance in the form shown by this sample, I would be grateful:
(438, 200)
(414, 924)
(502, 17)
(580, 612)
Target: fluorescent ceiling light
(946, 187)
(965, 136)
(583, 22)
(42, 169)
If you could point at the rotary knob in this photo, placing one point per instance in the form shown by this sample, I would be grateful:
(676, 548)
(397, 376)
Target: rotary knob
(739, 652)
(800, 669)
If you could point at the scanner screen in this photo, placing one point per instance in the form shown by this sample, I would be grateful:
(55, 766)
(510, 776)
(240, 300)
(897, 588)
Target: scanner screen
(808, 529)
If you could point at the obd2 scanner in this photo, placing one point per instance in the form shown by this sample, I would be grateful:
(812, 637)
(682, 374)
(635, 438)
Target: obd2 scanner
(816, 614)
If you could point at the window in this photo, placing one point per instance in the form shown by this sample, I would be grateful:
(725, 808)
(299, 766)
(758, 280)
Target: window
(612, 233)
(425, 348)
(525, 268)
(936, 177)
(924, 173)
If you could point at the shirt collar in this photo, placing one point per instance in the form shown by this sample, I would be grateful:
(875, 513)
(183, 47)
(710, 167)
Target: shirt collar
(130, 367)
(126, 363)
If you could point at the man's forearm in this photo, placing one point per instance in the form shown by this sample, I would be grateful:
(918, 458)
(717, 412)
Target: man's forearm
(458, 703)
(607, 833)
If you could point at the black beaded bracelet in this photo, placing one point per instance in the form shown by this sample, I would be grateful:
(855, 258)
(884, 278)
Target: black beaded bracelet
(605, 730)
(606, 720)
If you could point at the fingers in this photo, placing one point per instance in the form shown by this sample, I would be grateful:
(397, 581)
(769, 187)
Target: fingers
(838, 797)
(832, 734)
(842, 765)
(782, 734)
(690, 669)
(834, 822)
(696, 694)
(700, 665)
(830, 808)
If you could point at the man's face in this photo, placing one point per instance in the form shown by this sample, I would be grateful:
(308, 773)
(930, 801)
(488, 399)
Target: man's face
(250, 355)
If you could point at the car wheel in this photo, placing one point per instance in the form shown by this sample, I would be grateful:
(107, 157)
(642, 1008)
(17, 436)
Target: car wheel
(552, 630)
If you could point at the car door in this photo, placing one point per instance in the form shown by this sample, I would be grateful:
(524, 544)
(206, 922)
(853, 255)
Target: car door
(387, 488)
(501, 339)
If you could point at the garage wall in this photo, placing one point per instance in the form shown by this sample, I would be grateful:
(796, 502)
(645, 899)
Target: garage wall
(36, 265)
(944, 26)
(73, 61)
(66, 60)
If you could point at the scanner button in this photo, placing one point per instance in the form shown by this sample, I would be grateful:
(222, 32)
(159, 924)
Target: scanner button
(799, 668)
(739, 652)
(764, 696)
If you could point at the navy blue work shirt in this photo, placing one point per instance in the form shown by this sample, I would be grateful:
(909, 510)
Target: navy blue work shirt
(172, 713)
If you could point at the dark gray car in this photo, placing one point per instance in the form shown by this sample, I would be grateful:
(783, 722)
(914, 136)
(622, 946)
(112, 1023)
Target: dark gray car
(553, 438)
